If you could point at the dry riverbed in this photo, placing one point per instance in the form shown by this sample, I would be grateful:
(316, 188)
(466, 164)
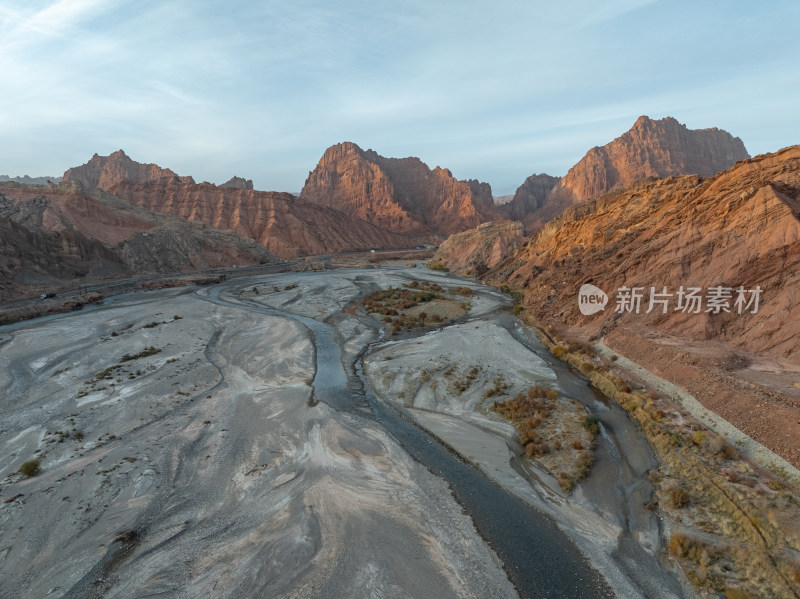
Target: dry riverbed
(187, 448)
(200, 469)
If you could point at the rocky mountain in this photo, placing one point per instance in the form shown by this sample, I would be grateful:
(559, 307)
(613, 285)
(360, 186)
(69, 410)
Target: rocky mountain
(286, 226)
(30, 180)
(238, 183)
(60, 233)
(473, 252)
(651, 148)
(398, 194)
(103, 172)
(734, 237)
(531, 198)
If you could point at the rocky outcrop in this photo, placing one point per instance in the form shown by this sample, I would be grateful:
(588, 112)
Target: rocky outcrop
(398, 194)
(531, 197)
(54, 235)
(739, 228)
(473, 252)
(237, 183)
(286, 226)
(651, 148)
(103, 172)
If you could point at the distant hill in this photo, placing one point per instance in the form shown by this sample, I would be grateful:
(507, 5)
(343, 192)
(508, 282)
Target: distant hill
(30, 180)
(65, 232)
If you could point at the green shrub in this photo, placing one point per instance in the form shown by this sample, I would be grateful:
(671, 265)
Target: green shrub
(591, 424)
(30, 468)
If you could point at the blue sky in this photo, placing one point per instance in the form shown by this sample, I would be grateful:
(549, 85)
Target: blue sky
(493, 90)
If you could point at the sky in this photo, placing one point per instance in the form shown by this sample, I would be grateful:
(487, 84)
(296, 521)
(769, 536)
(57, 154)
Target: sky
(493, 90)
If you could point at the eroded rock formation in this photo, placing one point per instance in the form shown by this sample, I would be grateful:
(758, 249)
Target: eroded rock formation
(475, 251)
(64, 233)
(103, 172)
(398, 194)
(651, 148)
(285, 225)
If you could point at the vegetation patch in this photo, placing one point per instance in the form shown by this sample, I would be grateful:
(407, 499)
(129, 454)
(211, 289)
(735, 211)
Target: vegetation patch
(147, 351)
(737, 531)
(30, 468)
(438, 266)
(553, 431)
(419, 304)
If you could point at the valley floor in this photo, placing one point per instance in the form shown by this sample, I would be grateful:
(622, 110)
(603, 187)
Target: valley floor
(223, 441)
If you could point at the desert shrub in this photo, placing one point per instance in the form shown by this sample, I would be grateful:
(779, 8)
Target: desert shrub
(558, 351)
(30, 468)
(147, 351)
(576, 444)
(591, 424)
(582, 463)
(533, 450)
(729, 452)
(677, 498)
(586, 368)
(676, 543)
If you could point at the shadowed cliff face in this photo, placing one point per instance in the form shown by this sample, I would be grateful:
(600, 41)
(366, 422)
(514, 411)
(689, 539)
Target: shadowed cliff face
(740, 227)
(474, 252)
(399, 194)
(60, 233)
(651, 148)
(285, 225)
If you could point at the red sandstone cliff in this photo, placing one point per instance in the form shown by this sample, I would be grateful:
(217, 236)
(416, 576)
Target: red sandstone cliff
(399, 194)
(738, 228)
(103, 172)
(61, 233)
(285, 225)
(473, 252)
(651, 148)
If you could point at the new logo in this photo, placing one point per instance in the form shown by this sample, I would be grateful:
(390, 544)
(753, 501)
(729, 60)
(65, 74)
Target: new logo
(591, 299)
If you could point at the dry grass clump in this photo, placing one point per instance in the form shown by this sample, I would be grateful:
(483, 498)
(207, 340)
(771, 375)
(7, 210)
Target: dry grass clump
(30, 468)
(438, 266)
(147, 351)
(461, 385)
(545, 426)
(401, 307)
(500, 387)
